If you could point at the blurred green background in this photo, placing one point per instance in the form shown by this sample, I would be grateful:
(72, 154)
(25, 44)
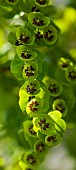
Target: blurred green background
(63, 156)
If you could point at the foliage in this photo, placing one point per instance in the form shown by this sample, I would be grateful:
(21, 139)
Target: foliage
(42, 57)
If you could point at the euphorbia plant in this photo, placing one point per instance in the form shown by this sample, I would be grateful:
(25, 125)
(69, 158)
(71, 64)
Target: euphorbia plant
(43, 97)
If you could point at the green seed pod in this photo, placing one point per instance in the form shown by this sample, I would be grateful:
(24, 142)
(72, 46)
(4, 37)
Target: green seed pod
(32, 87)
(31, 159)
(51, 34)
(25, 53)
(70, 74)
(53, 139)
(60, 105)
(12, 2)
(24, 36)
(30, 71)
(28, 128)
(34, 107)
(45, 124)
(63, 63)
(37, 19)
(53, 86)
(42, 3)
(41, 149)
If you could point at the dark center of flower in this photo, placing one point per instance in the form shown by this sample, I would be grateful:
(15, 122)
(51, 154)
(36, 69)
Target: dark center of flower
(60, 107)
(24, 38)
(40, 147)
(43, 124)
(38, 35)
(29, 71)
(65, 65)
(31, 159)
(52, 139)
(72, 75)
(31, 88)
(30, 97)
(38, 21)
(41, 2)
(53, 88)
(25, 55)
(48, 35)
(31, 130)
(11, 0)
(18, 43)
(33, 106)
(34, 9)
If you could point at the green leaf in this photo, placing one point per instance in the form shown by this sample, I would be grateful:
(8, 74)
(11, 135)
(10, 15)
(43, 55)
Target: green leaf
(55, 114)
(60, 75)
(68, 96)
(25, 5)
(12, 38)
(49, 10)
(16, 68)
(60, 126)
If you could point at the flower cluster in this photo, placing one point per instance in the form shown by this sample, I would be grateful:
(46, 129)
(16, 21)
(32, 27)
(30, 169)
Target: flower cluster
(44, 96)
